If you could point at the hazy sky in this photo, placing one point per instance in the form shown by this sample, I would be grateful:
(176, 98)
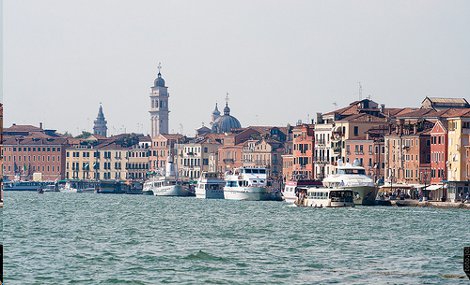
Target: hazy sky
(281, 61)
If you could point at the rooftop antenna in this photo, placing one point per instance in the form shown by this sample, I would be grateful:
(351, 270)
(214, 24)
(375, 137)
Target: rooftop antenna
(335, 104)
(181, 128)
(360, 90)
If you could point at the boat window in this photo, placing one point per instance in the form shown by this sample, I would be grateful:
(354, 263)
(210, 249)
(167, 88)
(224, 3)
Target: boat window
(247, 171)
(352, 171)
(255, 170)
(262, 171)
(240, 183)
(255, 181)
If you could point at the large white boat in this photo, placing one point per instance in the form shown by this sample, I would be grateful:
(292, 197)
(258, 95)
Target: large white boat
(210, 186)
(291, 189)
(353, 177)
(167, 184)
(326, 197)
(246, 183)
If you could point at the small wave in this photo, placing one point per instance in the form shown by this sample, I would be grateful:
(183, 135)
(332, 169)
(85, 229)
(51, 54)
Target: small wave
(202, 256)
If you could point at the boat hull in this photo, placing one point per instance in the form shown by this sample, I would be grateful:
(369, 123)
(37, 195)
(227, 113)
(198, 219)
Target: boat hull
(210, 193)
(246, 193)
(364, 195)
(172, 190)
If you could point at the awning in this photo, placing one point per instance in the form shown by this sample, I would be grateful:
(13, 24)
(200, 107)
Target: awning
(395, 186)
(434, 187)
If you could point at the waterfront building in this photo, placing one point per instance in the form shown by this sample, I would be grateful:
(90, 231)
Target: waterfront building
(439, 152)
(138, 162)
(408, 153)
(264, 153)
(364, 152)
(323, 133)
(287, 166)
(230, 152)
(100, 127)
(458, 139)
(32, 151)
(159, 112)
(332, 129)
(119, 157)
(303, 145)
(194, 157)
(163, 146)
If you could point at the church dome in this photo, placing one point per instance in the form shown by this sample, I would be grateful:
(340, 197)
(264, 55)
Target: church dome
(159, 81)
(225, 123)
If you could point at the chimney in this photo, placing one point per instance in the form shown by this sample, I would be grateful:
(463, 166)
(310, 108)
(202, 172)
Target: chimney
(382, 108)
(40, 125)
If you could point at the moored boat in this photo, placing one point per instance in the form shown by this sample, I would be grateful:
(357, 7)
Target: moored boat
(325, 198)
(168, 184)
(210, 186)
(246, 183)
(353, 177)
(112, 187)
(24, 185)
(291, 188)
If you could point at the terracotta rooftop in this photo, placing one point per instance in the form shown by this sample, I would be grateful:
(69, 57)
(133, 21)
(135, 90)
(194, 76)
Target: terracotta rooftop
(22, 129)
(441, 100)
(362, 117)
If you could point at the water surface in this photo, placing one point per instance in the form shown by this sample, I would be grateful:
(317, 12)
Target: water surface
(70, 238)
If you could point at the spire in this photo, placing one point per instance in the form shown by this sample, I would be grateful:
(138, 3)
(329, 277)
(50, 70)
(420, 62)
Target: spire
(216, 110)
(159, 68)
(226, 109)
(100, 127)
(159, 81)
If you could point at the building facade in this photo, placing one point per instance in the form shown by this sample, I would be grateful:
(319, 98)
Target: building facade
(303, 151)
(31, 151)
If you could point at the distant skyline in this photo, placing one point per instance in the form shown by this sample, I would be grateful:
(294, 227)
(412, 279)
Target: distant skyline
(280, 61)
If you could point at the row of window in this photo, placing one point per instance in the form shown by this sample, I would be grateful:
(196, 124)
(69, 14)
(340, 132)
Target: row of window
(29, 149)
(32, 168)
(30, 158)
(108, 154)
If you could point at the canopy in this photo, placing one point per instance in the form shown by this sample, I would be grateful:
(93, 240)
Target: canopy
(434, 187)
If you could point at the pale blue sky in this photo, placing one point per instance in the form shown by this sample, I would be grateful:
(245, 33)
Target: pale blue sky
(281, 61)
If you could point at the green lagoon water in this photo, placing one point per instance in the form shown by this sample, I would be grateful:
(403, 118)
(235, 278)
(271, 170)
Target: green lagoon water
(67, 238)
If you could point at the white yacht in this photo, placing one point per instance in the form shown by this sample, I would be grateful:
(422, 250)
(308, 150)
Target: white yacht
(167, 184)
(246, 183)
(328, 197)
(291, 189)
(353, 177)
(210, 186)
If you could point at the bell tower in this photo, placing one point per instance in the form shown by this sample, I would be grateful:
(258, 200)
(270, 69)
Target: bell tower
(159, 112)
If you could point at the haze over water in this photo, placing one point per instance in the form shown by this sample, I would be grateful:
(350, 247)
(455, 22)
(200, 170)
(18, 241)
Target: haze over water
(61, 238)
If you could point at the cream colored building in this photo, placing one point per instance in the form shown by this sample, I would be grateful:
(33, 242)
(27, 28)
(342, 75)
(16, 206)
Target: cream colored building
(458, 138)
(196, 156)
(104, 162)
